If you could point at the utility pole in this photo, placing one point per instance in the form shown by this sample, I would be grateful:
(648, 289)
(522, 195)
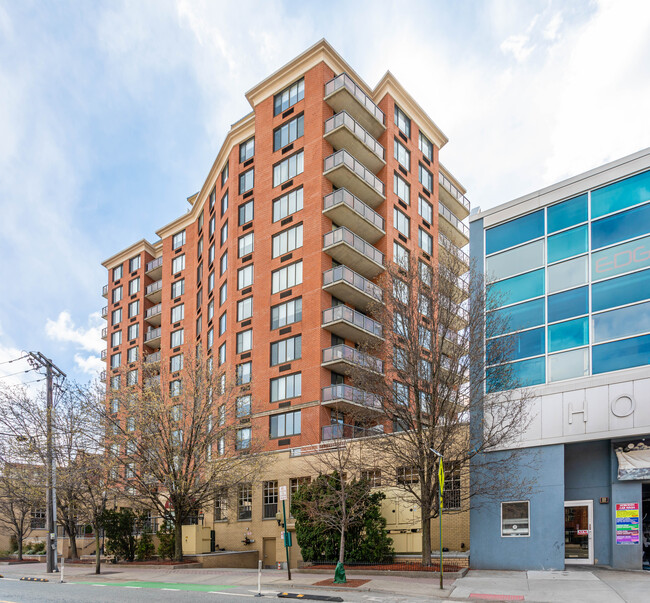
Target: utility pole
(38, 360)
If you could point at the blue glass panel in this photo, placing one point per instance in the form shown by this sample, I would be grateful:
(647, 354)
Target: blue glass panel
(631, 320)
(516, 231)
(620, 291)
(567, 213)
(568, 304)
(625, 193)
(517, 288)
(517, 374)
(620, 259)
(567, 244)
(522, 316)
(515, 346)
(622, 354)
(570, 334)
(627, 225)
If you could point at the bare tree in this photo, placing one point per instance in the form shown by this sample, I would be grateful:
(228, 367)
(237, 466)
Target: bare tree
(175, 437)
(432, 337)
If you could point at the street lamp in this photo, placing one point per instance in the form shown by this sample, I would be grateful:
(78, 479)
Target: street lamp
(441, 475)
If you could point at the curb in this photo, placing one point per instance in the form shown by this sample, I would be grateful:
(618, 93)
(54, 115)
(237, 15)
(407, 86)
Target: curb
(25, 579)
(310, 597)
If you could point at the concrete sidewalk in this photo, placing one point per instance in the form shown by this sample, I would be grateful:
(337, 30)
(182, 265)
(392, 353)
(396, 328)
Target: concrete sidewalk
(593, 585)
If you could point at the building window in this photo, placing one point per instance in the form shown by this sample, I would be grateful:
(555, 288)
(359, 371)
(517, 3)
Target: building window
(400, 392)
(402, 155)
(372, 476)
(286, 350)
(407, 475)
(210, 309)
(288, 132)
(426, 177)
(402, 189)
(451, 491)
(246, 212)
(134, 286)
(288, 168)
(222, 353)
(117, 294)
(287, 204)
(223, 322)
(132, 377)
(210, 254)
(244, 372)
(176, 338)
(134, 264)
(178, 240)
(178, 288)
(401, 256)
(212, 225)
(224, 174)
(116, 338)
(115, 382)
(515, 518)
(244, 277)
(426, 241)
(223, 263)
(176, 363)
(116, 360)
(284, 388)
(178, 264)
(224, 232)
(132, 355)
(244, 501)
(289, 96)
(244, 309)
(426, 146)
(245, 341)
(286, 313)
(178, 313)
(284, 425)
(246, 244)
(401, 222)
(175, 388)
(243, 406)
(210, 339)
(213, 198)
(246, 181)
(220, 512)
(199, 249)
(224, 204)
(223, 293)
(199, 274)
(117, 273)
(425, 209)
(286, 277)
(246, 150)
(269, 499)
(210, 281)
(116, 316)
(134, 308)
(243, 438)
(402, 122)
(38, 519)
(287, 241)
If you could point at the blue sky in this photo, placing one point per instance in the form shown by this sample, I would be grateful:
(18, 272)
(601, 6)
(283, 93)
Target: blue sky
(111, 114)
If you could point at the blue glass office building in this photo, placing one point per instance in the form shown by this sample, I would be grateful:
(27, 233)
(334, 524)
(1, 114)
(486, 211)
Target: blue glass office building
(570, 268)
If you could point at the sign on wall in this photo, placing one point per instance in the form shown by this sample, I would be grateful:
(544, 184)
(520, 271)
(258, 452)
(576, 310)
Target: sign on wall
(627, 523)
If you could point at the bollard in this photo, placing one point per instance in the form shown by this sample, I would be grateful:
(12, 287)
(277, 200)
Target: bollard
(259, 579)
(62, 566)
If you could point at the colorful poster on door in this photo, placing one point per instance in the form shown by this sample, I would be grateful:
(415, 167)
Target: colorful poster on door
(627, 523)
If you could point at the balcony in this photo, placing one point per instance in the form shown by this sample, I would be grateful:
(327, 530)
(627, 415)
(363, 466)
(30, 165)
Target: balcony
(344, 359)
(343, 94)
(456, 256)
(152, 381)
(349, 399)
(344, 209)
(154, 269)
(104, 333)
(153, 292)
(452, 197)
(153, 315)
(352, 288)
(102, 376)
(353, 251)
(344, 171)
(461, 318)
(105, 291)
(103, 354)
(341, 431)
(351, 325)
(104, 311)
(152, 338)
(460, 284)
(344, 132)
(152, 358)
(452, 227)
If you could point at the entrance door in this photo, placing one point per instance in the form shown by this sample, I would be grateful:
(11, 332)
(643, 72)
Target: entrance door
(268, 550)
(578, 531)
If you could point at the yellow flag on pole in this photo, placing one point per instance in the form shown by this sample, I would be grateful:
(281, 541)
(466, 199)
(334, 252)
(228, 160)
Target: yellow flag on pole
(441, 479)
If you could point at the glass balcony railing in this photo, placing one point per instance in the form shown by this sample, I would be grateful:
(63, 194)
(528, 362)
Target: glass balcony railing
(341, 431)
(452, 219)
(105, 291)
(350, 277)
(342, 196)
(344, 119)
(343, 235)
(350, 394)
(152, 334)
(452, 190)
(452, 248)
(153, 264)
(153, 311)
(345, 353)
(104, 311)
(342, 157)
(352, 317)
(345, 81)
(153, 288)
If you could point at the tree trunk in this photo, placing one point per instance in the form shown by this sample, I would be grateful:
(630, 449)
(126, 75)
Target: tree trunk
(342, 547)
(72, 534)
(425, 518)
(178, 541)
(98, 558)
(20, 546)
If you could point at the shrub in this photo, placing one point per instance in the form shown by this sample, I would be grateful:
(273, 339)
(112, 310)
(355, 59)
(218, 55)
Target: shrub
(145, 548)
(166, 541)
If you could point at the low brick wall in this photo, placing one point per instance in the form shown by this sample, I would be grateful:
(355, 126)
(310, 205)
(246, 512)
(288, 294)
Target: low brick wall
(227, 559)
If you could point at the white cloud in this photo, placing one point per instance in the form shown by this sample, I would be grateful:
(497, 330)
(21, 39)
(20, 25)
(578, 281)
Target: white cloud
(64, 330)
(552, 28)
(519, 46)
(90, 365)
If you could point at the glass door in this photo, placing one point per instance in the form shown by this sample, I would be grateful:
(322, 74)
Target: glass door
(578, 532)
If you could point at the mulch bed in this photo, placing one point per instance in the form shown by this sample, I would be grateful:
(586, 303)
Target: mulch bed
(14, 560)
(131, 563)
(396, 567)
(351, 583)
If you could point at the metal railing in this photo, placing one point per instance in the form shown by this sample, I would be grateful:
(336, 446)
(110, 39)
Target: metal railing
(446, 304)
(350, 394)
(451, 217)
(347, 275)
(104, 332)
(103, 354)
(105, 290)
(344, 235)
(102, 376)
(345, 352)
(104, 311)
(152, 334)
(351, 316)
(151, 358)
(153, 264)
(345, 119)
(153, 311)
(462, 282)
(342, 431)
(157, 286)
(342, 157)
(452, 248)
(452, 190)
(345, 81)
(342, 195)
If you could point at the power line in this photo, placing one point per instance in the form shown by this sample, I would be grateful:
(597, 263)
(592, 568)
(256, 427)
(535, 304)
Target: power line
(17, 373)
(14, 360)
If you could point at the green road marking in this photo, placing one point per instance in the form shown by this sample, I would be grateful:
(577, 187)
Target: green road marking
(163, 585)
